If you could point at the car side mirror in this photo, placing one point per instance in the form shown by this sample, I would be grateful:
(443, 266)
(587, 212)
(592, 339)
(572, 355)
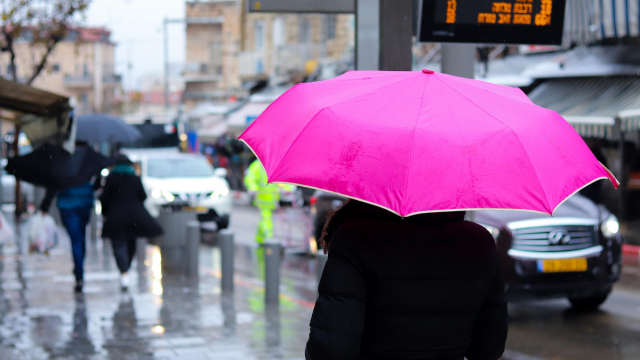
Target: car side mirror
(221, 172)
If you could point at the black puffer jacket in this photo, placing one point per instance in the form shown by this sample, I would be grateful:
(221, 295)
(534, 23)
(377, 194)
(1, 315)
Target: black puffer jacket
(423, 287)
(123, 208)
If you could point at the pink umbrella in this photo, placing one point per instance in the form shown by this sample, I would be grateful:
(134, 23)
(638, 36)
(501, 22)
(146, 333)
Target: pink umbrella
(415, 142)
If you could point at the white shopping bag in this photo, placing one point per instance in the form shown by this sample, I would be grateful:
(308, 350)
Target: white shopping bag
(6, 231)
(42, 232)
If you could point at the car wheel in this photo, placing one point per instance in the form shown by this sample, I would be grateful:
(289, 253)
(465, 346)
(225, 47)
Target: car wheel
(588, 303)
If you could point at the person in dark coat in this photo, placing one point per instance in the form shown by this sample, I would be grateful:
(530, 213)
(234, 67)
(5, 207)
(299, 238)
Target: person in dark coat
(427, 286)
(125, 216)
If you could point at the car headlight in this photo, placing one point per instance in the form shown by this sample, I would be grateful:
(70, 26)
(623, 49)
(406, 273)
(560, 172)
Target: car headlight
(168, 196)
(220, 192)
(493, 230)
(610, 227)
(156, 193)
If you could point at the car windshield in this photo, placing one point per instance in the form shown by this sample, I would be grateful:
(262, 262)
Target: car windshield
(179, 167)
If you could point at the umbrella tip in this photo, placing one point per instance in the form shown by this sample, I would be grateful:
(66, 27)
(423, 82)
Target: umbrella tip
(427, 71)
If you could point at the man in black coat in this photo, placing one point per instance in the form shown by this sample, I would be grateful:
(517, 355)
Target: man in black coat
(423, 287)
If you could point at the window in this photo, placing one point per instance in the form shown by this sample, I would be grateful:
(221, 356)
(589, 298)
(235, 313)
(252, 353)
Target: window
(55, 68)
(179, 167)
(278, 32)
(330, 26)
(259, 35)
(304, 29)
(9, 70)
(85, 70)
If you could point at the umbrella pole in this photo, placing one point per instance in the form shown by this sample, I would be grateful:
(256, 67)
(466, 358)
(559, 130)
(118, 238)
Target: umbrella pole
(18, 195)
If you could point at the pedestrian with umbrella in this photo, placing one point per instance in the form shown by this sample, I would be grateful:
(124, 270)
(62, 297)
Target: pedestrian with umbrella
(73, 178)
(407, 277)
(125, 216)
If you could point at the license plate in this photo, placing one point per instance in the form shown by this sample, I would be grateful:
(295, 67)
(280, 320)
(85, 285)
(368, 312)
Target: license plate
(200, 209)
(562, 265)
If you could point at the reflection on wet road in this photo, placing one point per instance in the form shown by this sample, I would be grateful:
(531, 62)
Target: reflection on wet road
(171, 317)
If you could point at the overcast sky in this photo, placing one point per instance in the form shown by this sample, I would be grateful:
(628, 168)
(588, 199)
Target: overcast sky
(136, 28)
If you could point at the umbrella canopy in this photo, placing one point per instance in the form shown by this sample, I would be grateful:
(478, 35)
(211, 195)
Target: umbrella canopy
(105, 128)
(415, 142)
(53, 167)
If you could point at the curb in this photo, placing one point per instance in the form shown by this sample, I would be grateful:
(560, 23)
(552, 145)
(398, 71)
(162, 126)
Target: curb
(630, 249)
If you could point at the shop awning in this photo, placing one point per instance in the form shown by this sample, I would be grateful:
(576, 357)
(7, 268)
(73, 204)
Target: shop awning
(592, 105)
(42, 114)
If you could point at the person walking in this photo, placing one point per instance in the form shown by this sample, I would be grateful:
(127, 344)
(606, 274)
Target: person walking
(426, 286)
(266, 198)
(75, 205)
(125, 216)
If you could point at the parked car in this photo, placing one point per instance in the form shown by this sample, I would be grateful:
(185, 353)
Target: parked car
(175, 181)
(8, 183)
(574, 254)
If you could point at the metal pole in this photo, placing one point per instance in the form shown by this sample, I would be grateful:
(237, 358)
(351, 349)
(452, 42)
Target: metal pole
(193, 248)
(226, 259)
(459, 60)
(396, 31)
(367, 34)
(321, 261)
(620, 169)
(272, 270)
(166, 64)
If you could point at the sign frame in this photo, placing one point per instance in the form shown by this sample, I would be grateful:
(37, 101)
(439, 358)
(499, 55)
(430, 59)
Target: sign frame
(430, 31)
(302, 6)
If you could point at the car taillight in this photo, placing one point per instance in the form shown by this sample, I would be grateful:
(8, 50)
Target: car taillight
(313, 200)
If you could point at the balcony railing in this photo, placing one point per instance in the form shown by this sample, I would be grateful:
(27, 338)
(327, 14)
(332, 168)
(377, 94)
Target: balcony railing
(87, 80)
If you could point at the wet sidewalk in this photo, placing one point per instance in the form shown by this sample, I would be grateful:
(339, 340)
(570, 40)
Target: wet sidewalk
(160, 317)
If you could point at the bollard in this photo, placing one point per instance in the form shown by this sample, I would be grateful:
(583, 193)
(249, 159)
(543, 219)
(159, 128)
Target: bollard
(93, 224)
(141, 253)
(173, 243)
(193, 248)
(321, 260)
(226, 259)
(272, 271)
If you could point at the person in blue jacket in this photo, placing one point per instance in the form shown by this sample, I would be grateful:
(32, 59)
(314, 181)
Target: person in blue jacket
(75, 206)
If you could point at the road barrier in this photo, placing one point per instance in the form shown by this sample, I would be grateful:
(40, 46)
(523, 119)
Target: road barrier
(272, 260)
(192, 248)
(174, 243)
(226, 259)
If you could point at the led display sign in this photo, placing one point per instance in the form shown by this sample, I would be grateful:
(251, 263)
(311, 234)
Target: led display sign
(492, 22)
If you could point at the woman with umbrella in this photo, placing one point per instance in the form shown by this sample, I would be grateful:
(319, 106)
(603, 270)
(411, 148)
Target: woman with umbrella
(407, 277)
(125, 216)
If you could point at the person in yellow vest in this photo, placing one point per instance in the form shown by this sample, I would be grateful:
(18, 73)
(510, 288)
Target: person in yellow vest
(266, 198)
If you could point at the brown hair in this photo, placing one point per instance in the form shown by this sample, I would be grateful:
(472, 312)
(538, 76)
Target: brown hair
(335, 218)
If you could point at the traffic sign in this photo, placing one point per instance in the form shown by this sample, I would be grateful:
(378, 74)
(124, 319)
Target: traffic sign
(302, 6)
(537, 22)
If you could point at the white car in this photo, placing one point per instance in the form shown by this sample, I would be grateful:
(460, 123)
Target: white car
(175, 180)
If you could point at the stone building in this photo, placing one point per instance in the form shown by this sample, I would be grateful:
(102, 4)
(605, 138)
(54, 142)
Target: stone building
(80, 67)
(228, 49)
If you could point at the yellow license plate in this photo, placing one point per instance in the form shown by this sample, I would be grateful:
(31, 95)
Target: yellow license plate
(200, 209)
(562, 265)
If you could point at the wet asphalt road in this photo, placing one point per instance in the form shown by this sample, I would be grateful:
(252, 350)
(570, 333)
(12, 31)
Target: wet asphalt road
(168, 317)
(548, 329)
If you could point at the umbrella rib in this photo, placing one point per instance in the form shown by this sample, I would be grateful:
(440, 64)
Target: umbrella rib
(515, 133)
(413, 135)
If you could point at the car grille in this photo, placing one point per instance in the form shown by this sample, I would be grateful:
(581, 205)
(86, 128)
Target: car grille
(191, 197)
(554, 238)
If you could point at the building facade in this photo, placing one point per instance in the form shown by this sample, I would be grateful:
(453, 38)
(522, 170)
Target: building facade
(80, 67)
(229, 49)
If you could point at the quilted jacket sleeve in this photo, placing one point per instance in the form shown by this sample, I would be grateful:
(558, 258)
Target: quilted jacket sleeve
(490, 328)
(338, 317)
